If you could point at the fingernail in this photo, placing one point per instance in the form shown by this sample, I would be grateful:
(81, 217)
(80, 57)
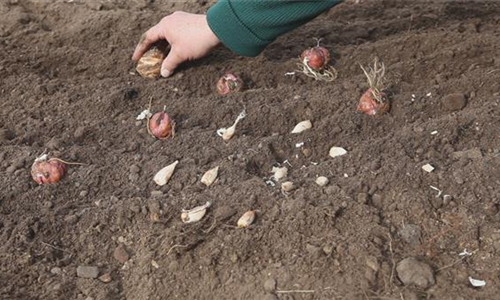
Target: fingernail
(165, 73)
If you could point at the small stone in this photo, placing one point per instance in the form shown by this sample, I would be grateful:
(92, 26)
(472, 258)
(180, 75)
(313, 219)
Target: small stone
(135, 169)
(363, 198)
(437, 202)
(428, 168)
(54, 144)
(270, 285)
(454, 102)
(378, 201)
(120, 254)
(56, 271)
(372, 263)
(84, 194)
(411, 234)
(233, 257)
(414, 272)
(314, 251)
(155, 194)
(322, 181)
(224, 212)
(133, 176)
(87, 271)
(79, 132)
(71, 219)
(106, 278)
(474, 153)
(332, 189)
(11, 169)
(328, 249)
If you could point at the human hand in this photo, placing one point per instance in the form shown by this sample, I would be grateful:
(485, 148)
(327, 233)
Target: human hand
(189, 37)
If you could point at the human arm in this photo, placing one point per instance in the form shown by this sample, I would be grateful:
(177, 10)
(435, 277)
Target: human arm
(244, 26)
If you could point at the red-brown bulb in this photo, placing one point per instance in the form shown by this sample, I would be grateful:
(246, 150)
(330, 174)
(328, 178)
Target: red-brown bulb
(229, 83)
(316, 57)
(160, 125)
(369, 105)
(47, 171)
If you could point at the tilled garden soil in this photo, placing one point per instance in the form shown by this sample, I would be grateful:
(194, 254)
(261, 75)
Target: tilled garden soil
(68, 87)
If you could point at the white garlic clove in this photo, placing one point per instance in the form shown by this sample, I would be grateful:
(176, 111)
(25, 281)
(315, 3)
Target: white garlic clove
(246, 219)
(227, 133)
(163, 176)
(322, 181)
(337, 151)
(209, 177)
(287, 186)
(302, 126)
(195, 214)
(279, 173)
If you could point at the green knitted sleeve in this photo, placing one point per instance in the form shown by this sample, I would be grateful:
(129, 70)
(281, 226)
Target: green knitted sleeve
(248, 26)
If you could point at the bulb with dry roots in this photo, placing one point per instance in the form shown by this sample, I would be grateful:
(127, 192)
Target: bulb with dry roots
(229, 83)
(314, 63)
(47, 170)
(374, 100)
(149, 65)
(161, 126)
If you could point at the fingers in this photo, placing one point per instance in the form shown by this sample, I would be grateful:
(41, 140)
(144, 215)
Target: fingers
(170, 63)
(147, 39)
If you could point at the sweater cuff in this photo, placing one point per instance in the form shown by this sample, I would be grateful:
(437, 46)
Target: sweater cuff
(232, 32)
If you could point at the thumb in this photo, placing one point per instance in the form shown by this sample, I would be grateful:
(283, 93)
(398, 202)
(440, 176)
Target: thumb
(170, 63)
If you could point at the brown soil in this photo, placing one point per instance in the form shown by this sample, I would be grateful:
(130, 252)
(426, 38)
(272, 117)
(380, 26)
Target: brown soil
(67, 87)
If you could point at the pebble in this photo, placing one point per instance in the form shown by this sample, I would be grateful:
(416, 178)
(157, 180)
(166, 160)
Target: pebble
(87, 271)
(224, 212)
(121, 254)
(155, 194)
(133, 176)
(79, 132)
(270, 285)
(56, 271)
(84, 194)
(11, 169)
(372, 263)
(106, 278)
(474, 153)
(414, 272)
(332, 189)
(328, 249)
(135, 169)
(71, 219)
(363, 198)
(322, 181)
(314, 251)
(411, 234)
(378, 201)
(454, 102)
(437, 202)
